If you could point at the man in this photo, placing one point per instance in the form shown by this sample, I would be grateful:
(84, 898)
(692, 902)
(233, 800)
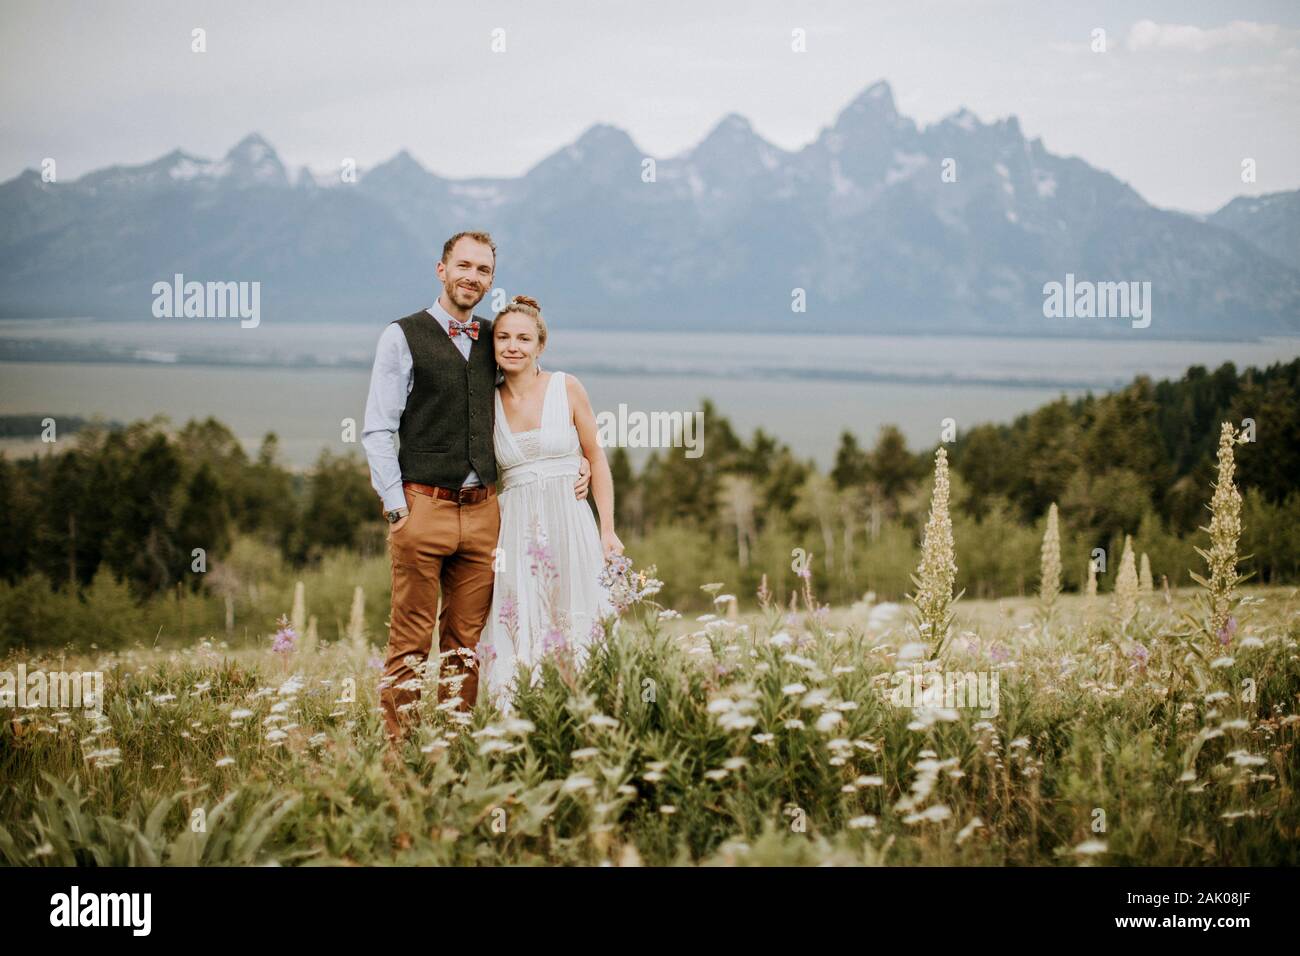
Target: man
(433, 387)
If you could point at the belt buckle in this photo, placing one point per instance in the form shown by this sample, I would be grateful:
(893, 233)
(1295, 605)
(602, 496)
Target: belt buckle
(462, 495)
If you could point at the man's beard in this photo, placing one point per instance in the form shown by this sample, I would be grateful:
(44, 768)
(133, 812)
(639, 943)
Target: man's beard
(464, 297)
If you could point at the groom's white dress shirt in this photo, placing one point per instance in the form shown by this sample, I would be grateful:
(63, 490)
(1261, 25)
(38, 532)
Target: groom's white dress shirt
(391, 381)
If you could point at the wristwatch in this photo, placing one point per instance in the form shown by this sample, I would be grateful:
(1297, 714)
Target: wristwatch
(396, 515)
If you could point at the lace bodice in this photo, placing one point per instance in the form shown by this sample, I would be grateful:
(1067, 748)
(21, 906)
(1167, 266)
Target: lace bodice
(529, 443)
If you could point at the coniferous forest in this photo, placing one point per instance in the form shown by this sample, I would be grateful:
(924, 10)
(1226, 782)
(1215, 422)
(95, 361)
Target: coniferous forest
(176, 531)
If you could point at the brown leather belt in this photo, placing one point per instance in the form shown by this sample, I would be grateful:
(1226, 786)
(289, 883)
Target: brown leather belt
(465, 496)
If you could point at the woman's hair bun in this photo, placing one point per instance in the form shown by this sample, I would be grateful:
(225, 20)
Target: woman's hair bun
(527, 300)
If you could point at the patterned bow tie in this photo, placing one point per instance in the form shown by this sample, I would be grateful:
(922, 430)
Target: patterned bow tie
(470, 328)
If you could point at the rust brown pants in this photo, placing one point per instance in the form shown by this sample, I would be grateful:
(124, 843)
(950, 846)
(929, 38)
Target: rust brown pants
(444, 547)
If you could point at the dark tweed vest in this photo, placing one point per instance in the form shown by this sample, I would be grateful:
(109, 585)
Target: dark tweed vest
(446, 428)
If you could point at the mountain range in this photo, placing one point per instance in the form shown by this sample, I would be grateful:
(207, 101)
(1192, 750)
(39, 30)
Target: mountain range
(862, 219)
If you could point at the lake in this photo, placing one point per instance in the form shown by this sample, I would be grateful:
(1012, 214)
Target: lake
(302, 380)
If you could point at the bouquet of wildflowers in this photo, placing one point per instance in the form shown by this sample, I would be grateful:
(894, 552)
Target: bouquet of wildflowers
(625, 585)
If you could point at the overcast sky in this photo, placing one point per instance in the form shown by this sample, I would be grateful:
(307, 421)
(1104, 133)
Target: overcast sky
(1184, 91)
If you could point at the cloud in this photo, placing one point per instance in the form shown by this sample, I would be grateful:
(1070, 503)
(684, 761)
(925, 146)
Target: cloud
(1149, 35)
(1070, 47)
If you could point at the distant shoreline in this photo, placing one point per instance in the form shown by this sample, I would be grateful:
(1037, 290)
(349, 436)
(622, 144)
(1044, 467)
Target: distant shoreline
(1118, 332)
(790, 374)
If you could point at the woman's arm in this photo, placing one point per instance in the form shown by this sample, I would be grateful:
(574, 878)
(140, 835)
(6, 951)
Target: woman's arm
(602, 481)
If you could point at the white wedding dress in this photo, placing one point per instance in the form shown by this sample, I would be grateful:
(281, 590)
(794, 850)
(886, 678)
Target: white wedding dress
(547, 592)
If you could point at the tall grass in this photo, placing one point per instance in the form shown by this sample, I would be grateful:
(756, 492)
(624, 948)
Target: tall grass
(769, 739)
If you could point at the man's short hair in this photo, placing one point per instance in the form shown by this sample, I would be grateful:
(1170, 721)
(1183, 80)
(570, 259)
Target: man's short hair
(477, 236)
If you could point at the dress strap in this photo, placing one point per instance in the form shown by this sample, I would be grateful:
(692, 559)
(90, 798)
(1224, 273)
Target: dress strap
(557, 409)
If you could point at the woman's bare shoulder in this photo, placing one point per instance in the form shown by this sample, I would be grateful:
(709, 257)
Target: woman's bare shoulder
(573, 386)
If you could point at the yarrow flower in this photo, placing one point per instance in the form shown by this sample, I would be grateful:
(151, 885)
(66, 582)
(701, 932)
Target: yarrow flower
(935, 814)
(577, 783)
(104, 758)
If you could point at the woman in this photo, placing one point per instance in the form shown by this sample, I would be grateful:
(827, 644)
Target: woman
(547, 593)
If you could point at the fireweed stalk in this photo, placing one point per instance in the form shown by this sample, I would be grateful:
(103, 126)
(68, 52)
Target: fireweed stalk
(1145, 583)
(1126, 585)
(1049, 587)
(286, 638)
(937, 572)
(1230, 713)
(1225, 530)
(555, 640)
